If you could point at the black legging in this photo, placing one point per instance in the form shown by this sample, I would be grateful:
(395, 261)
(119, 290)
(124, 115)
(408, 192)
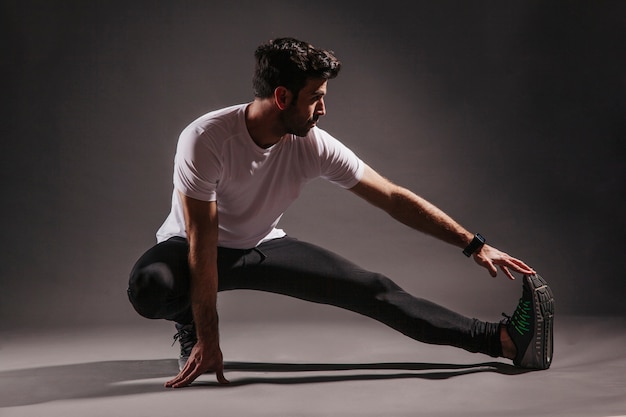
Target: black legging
(159, 288)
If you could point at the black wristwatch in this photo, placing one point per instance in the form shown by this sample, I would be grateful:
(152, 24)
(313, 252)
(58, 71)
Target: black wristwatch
(474, 245)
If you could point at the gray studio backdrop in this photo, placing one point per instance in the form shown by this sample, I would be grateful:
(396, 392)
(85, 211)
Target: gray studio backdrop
(508, 115)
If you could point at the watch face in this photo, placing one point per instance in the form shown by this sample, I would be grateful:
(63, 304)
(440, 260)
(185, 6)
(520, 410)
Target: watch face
(474, 245)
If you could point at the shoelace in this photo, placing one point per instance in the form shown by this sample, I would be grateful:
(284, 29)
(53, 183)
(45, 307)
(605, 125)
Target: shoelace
(521, 317)
(187, 339)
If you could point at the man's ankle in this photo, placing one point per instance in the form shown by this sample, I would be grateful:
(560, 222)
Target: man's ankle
(508, 347)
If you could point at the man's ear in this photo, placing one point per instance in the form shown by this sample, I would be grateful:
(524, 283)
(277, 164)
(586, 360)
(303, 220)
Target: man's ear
(282, 97)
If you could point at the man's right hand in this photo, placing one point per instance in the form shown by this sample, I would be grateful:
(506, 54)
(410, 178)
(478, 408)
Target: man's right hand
(202, 359)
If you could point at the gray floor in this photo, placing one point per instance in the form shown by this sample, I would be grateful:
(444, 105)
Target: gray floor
(339, 368)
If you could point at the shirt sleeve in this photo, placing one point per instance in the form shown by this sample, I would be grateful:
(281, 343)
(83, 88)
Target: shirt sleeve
(197, 165)
(339, 164)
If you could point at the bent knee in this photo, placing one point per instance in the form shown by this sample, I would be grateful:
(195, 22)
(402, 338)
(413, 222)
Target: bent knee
(150, 288)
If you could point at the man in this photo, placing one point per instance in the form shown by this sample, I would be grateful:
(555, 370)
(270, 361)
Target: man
(237, 170)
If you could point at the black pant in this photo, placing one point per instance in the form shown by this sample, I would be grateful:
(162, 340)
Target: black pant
(159, 288)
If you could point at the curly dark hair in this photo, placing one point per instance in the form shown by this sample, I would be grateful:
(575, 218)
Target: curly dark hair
(289, 62)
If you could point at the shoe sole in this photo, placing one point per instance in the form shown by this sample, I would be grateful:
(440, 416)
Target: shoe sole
(543, 303)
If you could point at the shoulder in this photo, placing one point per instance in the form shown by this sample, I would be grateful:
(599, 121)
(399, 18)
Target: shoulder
(228, 118)
(319, 140)
(326, 144)
(213, 128)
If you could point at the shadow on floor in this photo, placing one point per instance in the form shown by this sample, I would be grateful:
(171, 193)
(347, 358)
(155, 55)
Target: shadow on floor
(117, 378)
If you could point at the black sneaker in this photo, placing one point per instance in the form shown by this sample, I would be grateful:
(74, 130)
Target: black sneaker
(186, 336)
(530, 327)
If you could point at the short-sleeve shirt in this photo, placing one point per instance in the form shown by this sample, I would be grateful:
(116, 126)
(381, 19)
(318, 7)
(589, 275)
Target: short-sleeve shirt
(217, 160)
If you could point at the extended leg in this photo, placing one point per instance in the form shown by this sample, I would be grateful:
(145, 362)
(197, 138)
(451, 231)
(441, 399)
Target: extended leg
(299, 269)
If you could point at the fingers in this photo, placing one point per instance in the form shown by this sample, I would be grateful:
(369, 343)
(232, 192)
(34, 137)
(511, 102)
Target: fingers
(515, 265)
(486, 263)
(184, 377)
(507, 272)
(191, 372)
(520, 266)
(177, 378)
(490, 257)
(220, 377)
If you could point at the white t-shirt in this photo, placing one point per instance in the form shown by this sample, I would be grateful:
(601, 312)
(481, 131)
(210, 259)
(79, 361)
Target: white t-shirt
(217, 160)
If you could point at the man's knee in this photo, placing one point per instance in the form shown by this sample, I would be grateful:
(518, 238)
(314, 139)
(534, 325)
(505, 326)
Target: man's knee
(149, 289)
(383, 285)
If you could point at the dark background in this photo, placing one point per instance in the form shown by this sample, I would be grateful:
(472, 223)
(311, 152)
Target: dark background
(508, 115)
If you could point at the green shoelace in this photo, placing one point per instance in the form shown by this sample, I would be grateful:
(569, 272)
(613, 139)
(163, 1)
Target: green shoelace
(521, 317)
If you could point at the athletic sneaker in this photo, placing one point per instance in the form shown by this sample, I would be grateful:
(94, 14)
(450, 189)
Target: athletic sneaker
(186, 336)
(530, 326)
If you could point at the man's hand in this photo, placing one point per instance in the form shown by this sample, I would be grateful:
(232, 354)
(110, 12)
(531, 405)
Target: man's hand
(488, 257)
(202, 230)
(202, 359)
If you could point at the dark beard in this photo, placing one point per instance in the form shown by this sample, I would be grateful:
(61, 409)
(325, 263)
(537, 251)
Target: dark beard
(296, 130)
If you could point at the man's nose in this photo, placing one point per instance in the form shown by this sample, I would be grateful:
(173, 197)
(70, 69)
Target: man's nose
(320, 110)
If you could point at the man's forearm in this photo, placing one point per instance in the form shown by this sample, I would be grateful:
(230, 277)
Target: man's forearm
(202, 230)
(419, 214)
(204, 284)
(410, 209)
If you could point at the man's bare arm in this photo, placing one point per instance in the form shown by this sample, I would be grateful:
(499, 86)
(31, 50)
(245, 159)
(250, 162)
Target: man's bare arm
(419, 214)
(201, 223)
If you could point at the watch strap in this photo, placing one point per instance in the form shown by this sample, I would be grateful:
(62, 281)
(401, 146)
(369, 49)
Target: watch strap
(474, 245)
